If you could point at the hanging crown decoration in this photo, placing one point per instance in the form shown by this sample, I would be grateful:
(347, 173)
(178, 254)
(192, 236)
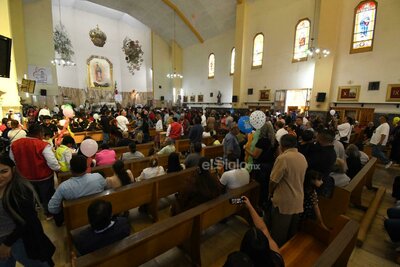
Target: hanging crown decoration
(97, 36)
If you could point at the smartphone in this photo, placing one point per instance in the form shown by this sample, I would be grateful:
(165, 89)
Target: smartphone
(236, 201)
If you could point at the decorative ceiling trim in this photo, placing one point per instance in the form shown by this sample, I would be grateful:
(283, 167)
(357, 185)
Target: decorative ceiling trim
(184, 19)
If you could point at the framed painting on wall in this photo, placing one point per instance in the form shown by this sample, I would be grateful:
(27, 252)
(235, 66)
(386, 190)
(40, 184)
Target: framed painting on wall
(265, 95)
(100, 72)
(348, 93)
(185, 99)
(393, 92)
(192, 98)
(200, 98)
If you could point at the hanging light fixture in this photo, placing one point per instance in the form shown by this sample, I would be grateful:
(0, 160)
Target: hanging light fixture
(174, 74)
(62, 44)
(314, 51)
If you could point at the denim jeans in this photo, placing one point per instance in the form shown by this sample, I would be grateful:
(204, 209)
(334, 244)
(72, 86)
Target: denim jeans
(18, 253)
(377, 151)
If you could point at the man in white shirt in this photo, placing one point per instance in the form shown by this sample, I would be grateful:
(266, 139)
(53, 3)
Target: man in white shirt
(279, 126)
(379, 139)
(44, 112)
(203, 120)
(122, 121)
(235, 177)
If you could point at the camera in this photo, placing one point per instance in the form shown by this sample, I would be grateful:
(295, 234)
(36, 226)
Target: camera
(236, 201)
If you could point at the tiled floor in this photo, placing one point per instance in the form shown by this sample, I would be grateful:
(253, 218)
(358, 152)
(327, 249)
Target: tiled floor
(221, 239)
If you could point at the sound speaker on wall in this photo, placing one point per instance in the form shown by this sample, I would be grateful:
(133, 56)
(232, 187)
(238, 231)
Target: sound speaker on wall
(373, 85)
(43, 92)
(5, 56)
(321, 97)
(250, 91)
(234, 99)
(162, 98)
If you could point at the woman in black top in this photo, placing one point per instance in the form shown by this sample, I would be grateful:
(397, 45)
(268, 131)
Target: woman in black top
(174, 164)
(21, 234)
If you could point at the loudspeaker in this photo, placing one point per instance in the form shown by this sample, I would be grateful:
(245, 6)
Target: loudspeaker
(211, 94)
(43, 92)
(162, 98)
(234, 99)
(250, 91)
(5, 56)
(321, 97)
(373, 85)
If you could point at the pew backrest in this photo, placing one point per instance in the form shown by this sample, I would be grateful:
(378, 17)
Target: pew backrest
(162, 236)
(213, 152)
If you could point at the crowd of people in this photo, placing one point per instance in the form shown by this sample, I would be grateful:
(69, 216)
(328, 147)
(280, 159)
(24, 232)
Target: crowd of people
(293, 157)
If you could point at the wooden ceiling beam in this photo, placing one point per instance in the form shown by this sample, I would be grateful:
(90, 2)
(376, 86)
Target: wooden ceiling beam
(184, 19)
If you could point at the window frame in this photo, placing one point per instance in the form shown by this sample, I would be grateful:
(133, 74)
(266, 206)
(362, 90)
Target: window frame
(252, 53)
(208, 66)
(365, 49)
(294, 41)
(230, 65)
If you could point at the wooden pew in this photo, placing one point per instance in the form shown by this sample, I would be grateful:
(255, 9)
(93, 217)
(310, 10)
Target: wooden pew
(182, 145)
(136, 166)
(95, 135)
(143, 148)
(184, 228)
(333, 207)
(127, 197)
(213, 152)
(314, 246)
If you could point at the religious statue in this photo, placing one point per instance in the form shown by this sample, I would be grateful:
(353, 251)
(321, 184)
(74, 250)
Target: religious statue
(219, 98)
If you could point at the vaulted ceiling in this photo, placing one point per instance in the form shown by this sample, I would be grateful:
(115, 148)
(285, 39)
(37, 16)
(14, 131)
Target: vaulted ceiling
(209, 18)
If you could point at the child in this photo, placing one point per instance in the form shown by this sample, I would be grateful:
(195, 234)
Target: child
(64, 152)
(313, 180)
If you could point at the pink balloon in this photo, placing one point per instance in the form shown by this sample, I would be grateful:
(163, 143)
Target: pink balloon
(89, 147)
(68, 112)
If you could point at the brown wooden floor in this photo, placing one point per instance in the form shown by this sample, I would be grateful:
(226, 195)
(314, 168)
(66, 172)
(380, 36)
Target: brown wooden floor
(221, 239)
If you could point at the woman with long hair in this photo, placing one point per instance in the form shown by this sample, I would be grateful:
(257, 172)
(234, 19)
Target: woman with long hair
(204, 187)
(121, 176)
(174, 165)
(22, 237)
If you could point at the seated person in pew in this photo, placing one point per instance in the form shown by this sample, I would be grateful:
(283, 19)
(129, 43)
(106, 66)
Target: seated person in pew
(104, 229)
(235, 176)
(153, 171)
(79, 185)
(121, 176)
(105, 156)
(392, 226)
(169, 147)
(353, 161)
(364, 158)
(202, 188)
(312, 180)
(174, 165)
(193, 158)
(132, 154)
(125, 140)
(339, 174)
(64, 152)
(258, 243)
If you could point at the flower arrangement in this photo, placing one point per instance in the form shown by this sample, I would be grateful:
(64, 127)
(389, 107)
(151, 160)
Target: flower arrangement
(133, 54)
(62, 43)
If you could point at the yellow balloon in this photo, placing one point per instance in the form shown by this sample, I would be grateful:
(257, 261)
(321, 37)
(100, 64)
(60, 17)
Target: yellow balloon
(396, 120)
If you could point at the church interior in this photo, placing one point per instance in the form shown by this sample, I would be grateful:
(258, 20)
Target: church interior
(317, 58)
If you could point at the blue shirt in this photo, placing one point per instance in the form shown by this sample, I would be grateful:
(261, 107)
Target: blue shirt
(76, 187)
(231, 145)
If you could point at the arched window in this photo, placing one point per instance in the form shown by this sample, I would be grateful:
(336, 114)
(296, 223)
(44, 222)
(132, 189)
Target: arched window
(211, 65)
(258, 48)
(232, 61)
(301, 40)
(364, 26)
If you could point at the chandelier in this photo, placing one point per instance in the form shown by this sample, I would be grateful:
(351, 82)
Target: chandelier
(174, 75)
(62, 44)
(314, 51)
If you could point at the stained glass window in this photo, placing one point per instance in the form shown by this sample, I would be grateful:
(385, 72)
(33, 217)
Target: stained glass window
(258, 48)
(211, 65)
(364, 26)
(301, 40)
(232, 61)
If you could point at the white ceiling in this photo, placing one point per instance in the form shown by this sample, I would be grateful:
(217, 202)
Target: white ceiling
(209, 17)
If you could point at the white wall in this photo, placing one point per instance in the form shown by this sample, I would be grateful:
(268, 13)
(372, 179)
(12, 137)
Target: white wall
(277, 21)
(195, 68)
(382, 64)
(79, 22)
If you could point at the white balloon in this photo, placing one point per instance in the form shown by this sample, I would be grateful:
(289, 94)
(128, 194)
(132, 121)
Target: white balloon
(257, 119)
(332, 112)
(89, 147)
(96, 116)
